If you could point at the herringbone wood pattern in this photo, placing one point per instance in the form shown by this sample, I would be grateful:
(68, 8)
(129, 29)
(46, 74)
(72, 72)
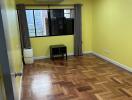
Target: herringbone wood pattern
(79, 78)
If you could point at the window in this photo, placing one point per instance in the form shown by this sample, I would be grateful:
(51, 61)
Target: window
(51, 22)
(30, 20)
(37, 22)
(69, 13)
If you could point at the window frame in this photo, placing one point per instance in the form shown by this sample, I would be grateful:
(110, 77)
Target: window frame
(49, 18)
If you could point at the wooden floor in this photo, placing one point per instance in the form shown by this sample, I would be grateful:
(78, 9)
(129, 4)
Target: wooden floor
(79, 78)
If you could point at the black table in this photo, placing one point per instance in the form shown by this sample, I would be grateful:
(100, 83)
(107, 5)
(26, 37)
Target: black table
(58, 51)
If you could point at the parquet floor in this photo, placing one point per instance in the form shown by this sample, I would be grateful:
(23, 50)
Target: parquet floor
(79, 78)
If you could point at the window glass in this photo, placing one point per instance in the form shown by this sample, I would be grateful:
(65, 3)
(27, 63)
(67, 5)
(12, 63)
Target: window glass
(57, 22)
(67, 11)
(30, 21)
(53, 22)
(67, 15)
(72, 13)
(41, 22)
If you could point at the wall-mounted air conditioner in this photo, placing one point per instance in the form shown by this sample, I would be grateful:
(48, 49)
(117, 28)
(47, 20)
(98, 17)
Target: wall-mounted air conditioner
(48, 0)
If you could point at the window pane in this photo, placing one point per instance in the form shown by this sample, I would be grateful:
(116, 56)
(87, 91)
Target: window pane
(57, 21)
(67, 11)
(57, 13)
(41, 22)
(61, 22)
(30, 20)
(69, 21)
(67, 15)
(72, 13)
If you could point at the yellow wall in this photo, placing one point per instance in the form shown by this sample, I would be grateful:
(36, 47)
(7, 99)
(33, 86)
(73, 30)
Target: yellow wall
(12, 40)
(111, 23)
(41, 45)
(112, 26)
(106, 30)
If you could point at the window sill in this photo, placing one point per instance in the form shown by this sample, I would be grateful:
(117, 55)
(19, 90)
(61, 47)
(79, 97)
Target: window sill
(49, 36)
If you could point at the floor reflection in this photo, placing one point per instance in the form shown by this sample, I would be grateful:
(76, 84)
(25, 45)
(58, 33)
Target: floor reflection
(41, 85)
(78, 78)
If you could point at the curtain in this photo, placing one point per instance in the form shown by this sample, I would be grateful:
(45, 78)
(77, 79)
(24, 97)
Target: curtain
(78, 31)
(23, 26)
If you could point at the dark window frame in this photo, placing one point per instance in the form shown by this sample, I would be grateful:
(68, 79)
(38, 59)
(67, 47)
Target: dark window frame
(49, 18)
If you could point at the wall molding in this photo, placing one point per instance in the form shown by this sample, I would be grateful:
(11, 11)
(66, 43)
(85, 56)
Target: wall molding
(98, 55)
(113, 62)
(20, 92)
(45, 57)
(87, 52)
(69, 54)
(40, 57)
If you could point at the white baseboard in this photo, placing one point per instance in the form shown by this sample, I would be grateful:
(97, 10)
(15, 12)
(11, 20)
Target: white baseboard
(45, 57)
(69, 54)
(87, 52)
(41, 57)
(113, 62)
(97, 54)
(20, 92)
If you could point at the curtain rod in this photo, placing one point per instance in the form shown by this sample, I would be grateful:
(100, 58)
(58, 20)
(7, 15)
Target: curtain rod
(48, 4)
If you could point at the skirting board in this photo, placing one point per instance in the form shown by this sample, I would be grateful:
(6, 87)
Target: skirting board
(69, 54)
(98, 55)
(20, 92)
(44, 57)
(113, 62)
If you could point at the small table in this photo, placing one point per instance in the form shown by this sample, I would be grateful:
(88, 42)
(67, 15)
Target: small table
(58, 50)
